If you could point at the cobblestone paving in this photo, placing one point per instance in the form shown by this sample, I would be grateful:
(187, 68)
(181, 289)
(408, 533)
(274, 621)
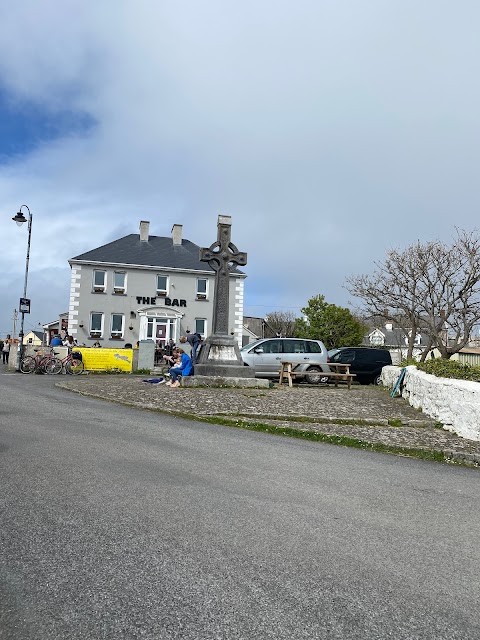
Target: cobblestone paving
(373, 406)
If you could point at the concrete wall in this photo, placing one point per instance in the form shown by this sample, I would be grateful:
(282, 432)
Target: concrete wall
(454, 403)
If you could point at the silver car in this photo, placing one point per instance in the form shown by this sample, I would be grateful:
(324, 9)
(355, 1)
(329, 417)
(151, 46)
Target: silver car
(265, 357)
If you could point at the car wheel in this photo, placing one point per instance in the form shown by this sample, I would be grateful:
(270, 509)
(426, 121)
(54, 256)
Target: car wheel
(314, 375)
(377, 379)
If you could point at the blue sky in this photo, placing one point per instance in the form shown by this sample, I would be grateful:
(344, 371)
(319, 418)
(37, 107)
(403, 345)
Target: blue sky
(329, 130)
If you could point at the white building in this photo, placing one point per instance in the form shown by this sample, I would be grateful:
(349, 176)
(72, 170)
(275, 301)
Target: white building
(146, 287)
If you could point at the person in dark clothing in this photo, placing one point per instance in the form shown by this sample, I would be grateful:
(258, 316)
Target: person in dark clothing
(194, 340)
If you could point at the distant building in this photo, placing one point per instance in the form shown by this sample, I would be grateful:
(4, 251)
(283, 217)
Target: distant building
(34, 337)
(143, 287)
(384, 335)
(255, 329)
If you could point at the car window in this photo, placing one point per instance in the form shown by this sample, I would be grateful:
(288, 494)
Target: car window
(362, 355)
(313, 347)
(345, 356)
(271, 346)
(293, 346)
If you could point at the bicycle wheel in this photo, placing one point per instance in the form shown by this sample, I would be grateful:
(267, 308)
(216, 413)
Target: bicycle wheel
(74, 367)
(27, 365)
(53, 366)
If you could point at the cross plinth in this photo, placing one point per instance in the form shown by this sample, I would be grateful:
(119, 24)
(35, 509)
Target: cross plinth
(219, 355)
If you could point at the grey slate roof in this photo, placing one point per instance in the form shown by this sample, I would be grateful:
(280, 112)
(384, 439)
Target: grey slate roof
(157, 252)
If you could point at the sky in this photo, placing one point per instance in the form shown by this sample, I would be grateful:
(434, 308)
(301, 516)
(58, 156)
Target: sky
(330, 130)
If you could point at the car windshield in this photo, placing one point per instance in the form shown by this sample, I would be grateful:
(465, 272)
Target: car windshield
(247, 347)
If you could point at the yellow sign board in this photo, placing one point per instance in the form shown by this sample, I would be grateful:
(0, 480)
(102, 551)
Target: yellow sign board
(106, 359)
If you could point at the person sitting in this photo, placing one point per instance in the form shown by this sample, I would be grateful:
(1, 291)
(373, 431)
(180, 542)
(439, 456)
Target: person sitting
(183, 368)
(69, 342)
(171, 358)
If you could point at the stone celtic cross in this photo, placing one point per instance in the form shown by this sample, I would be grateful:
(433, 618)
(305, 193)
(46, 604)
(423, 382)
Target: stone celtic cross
(222, 256)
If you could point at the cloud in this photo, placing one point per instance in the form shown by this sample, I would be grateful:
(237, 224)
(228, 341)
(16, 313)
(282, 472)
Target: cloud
(329, 130)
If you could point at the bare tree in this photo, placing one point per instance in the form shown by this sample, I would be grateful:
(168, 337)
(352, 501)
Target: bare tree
(431, 287)
(282, 323)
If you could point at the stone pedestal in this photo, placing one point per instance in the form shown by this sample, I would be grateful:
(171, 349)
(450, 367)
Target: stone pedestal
(220, 357)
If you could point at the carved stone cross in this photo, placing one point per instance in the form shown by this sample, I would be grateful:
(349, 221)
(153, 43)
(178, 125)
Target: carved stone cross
(222, 256)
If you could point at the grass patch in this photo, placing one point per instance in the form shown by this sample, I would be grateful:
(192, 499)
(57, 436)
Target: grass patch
(302, 434)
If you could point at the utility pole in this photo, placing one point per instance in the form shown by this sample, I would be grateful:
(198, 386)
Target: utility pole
(14, 318)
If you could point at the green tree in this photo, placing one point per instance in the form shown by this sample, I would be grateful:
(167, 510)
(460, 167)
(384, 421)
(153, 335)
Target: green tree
(334, 326)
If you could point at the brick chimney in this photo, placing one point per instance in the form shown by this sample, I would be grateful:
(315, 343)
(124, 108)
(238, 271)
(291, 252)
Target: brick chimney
(177, 234)
(144, 226)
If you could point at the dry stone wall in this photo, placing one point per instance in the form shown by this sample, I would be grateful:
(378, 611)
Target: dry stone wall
(454, 403)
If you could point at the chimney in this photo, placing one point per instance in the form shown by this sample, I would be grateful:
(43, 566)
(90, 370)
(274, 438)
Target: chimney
(144, 225)
(177, 234)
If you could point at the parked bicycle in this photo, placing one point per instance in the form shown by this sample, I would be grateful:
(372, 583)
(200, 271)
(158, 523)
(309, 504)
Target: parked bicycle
(72, 365)
(43, 362)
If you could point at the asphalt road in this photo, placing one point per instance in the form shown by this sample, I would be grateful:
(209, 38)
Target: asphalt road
(119, 523)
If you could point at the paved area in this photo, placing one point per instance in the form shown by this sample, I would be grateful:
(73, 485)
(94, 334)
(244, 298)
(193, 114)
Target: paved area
(365, 413)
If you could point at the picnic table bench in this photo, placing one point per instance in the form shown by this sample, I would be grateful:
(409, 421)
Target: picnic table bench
(338, 371)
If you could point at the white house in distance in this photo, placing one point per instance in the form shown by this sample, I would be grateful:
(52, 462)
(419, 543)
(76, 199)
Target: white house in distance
(143, 287)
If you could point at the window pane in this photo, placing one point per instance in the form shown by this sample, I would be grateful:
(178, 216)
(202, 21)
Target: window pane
(117, 322)
(99, 278)
(119, 280)
(271, 346)
(313, 347)
(161, 283)
(201, 285)
(293, 346)
(150, 328)
(96, 320)
(200, 324)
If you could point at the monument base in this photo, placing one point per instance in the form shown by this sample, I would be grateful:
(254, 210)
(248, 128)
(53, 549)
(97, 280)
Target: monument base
(224, 381)
(220, 356)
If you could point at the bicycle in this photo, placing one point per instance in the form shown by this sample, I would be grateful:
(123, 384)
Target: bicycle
(73, 366)
(44, 362)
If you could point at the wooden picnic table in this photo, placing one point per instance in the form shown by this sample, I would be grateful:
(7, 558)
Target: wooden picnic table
(338, 371)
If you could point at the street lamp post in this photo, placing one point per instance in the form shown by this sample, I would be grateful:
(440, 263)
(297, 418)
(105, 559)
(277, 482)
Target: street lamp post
(20, 219)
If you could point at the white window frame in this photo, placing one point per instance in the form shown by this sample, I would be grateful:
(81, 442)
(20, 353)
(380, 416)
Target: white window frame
(120, 289)
(95, 333)
(197, 329)
(99, 288)
(117, 334)
(162, 292)
(201, 295)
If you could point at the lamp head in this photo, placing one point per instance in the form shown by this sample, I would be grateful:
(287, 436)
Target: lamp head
(19, 218)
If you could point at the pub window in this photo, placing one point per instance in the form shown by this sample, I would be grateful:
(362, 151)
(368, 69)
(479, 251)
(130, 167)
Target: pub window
(96, 324)
(202, 288)
(119, 282)
(117, 325)
(162, 285)
(201, 326)
(99, 281)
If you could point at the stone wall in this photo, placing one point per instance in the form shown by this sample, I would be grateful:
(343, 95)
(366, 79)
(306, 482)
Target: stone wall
(454, 403)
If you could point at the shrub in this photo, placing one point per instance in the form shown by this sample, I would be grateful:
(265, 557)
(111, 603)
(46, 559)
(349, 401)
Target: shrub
(443, 368)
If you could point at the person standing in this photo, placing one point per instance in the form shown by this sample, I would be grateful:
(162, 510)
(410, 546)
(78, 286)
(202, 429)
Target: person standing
(6, 349)
(194, 340)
